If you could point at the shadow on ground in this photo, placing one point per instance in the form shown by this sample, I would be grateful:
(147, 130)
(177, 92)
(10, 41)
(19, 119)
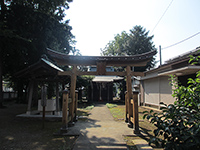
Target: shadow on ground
(25, 133)
(97, 132)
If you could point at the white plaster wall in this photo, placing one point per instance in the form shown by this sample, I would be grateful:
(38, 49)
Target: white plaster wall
(151, 91)
(166, 91)
(158, 90)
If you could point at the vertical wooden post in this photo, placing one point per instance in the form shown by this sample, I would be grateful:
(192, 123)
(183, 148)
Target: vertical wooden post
(159, 92)
(129, 94)
(126, 105)
(72, 91)
(108, 96)
(30, 96)
(135, 112)
(130, 113)
(1, 73)
(43, 102)
(65, 110)
(142, 100)
(76, 106)
(35, 92)
(57, 100)
(92, 91)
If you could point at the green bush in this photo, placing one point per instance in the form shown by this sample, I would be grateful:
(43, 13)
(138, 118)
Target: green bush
(178, 125)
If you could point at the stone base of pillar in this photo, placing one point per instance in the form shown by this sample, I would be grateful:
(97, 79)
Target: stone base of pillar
(136, 131)
(130, 125)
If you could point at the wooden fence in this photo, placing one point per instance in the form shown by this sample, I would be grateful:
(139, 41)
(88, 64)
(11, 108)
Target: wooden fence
(132, 111)
(69, 109)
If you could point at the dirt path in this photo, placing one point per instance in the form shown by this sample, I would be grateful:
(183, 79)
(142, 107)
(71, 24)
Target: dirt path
(100, 131)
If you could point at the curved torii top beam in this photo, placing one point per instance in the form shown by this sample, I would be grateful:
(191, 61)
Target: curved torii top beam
(134, 60)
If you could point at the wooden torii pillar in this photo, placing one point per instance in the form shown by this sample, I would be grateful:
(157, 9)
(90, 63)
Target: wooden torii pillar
(129, 94)
(65, 118)
(131, 101)
(73, 90)
(30, 96)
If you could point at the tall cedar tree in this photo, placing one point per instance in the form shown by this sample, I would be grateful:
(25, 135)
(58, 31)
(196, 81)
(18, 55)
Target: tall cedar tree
(136, 42)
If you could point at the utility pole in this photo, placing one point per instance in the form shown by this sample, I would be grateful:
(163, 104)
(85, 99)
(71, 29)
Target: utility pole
(160, 55)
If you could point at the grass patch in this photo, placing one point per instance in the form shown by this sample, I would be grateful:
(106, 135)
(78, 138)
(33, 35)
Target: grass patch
(129, 142)
(118, 112)
(111, 105)
(84, 110)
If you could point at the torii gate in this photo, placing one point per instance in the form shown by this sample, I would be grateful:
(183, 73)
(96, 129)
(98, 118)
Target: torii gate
(101, 62)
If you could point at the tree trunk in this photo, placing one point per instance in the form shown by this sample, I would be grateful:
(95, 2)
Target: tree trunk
(1, 55)
(1, 80)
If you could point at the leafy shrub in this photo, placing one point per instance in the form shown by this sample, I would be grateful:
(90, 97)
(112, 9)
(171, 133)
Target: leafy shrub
(178, 125)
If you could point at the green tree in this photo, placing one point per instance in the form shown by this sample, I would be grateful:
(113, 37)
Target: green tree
(136, 42)
(117, 46)
(27, 28)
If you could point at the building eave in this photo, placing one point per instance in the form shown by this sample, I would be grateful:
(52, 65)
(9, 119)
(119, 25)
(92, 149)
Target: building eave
(181, 71)
(178, 72)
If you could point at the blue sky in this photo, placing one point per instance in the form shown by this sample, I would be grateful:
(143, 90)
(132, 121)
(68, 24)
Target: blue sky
(96, 22)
